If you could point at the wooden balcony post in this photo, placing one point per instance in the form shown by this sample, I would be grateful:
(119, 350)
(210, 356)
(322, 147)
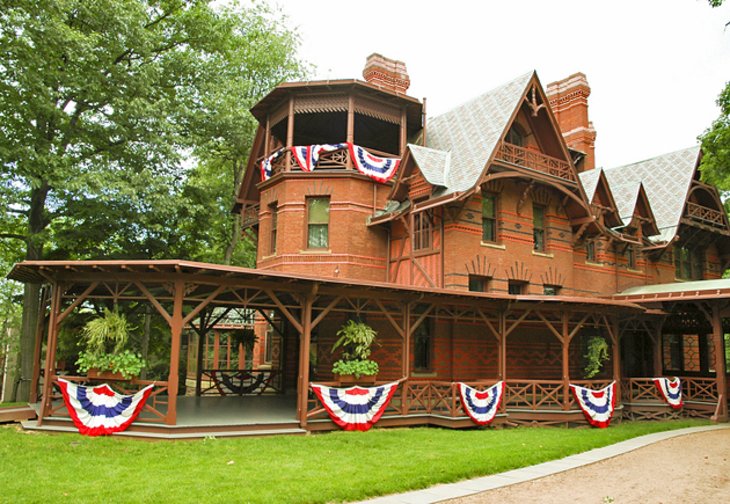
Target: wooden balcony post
(176, 328)
(721, 414)
(350, 126)
(403, 132)
(50, 367)
(289, 135)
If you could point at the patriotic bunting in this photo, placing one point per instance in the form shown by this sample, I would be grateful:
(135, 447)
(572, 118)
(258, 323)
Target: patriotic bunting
(267, 162)
(377, 168)
(355, 408)
(671, 390)
(597, 405)
(307, 156)
(481, 406)
(98, 411)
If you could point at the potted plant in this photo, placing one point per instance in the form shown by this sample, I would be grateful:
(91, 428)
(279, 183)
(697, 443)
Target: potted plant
(356, 340)
(105, 355)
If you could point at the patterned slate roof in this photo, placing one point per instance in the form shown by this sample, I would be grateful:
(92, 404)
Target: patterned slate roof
(589, 180)
(433, 163)
(666, 180)
(470, 132)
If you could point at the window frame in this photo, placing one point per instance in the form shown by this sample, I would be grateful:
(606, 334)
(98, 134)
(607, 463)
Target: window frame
(274, 209)
(521, 285)
(590, 251)
(423, 332)
(491, 219)
(422, 234)
(482, 280)
(555, 289)
(539, 244)
(310, 224)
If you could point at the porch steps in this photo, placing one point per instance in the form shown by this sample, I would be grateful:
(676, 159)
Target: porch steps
(16, 414)
(167, 432)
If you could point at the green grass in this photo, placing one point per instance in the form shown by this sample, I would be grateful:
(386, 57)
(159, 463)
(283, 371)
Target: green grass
(12, 404)
(337, 466)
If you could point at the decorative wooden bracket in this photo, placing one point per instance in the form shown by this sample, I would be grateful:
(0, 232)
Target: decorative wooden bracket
(524, 196)
(532, 102)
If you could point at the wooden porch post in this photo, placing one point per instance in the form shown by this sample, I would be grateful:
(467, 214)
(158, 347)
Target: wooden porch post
(176, 327)
(350, 126)
(289, 134)
(305, 339)
(216, 349)
(657, 340)
(616, 354)
(502, 349)
(33, 397)
(721, 413)
(49, 369)
(406, 340)
(565, 342)
(202, 336)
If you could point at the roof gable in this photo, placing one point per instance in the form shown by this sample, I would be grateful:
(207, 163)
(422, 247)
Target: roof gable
(666, 180)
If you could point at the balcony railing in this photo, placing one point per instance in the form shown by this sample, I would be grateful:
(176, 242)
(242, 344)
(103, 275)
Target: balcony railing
(335, 160)
(535, 160)
(705, 215)
(250, 216)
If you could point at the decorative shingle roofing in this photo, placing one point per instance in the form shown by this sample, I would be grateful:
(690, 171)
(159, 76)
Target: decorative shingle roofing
(589, 179)
(470, 133)
(666, 180)
(433, 163)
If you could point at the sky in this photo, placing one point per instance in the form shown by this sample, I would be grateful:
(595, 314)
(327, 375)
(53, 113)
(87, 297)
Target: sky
(655, 67)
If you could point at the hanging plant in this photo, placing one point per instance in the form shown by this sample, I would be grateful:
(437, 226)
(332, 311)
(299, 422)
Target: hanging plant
(356, 340)
(596, 356)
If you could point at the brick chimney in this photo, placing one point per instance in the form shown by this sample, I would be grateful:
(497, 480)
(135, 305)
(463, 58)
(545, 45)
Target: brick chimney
(569, 102)
(386, 73)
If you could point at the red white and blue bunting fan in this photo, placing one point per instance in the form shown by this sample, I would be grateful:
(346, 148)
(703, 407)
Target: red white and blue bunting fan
(355, 408)
(307, 156)
(266, 164)
(98, 411)
(671, 390)
(481, 406)
(597, 405)
(377, 168)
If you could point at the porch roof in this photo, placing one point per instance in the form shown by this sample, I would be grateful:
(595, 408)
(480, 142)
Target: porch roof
(53, 271)
(701, 289)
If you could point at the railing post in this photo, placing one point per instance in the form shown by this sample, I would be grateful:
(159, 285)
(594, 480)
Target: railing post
(721, 414)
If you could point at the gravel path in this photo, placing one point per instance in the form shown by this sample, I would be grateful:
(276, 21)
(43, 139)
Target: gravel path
(690, 469)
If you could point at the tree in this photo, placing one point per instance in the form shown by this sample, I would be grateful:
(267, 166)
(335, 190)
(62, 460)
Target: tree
(106, 107)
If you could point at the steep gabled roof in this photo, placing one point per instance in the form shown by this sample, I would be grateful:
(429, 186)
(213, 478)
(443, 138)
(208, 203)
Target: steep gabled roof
(434, 164)
(666, 180)
(595, 185)
(471, 131)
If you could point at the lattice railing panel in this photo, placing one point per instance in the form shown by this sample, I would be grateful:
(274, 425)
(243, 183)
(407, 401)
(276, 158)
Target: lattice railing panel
(535, 160)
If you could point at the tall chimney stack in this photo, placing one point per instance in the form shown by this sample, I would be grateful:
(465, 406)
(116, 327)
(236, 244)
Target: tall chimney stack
(569, 101)
(387, 73)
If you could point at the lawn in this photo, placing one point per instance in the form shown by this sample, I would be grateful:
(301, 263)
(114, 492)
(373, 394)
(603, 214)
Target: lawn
(338, 466)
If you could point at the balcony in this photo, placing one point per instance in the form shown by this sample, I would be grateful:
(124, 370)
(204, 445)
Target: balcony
(705, 215)
(535, 160)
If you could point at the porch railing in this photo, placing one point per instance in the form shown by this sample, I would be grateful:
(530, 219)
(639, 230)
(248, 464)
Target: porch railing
(535, 160)
(154, 411)
(336, 160)
(694, 389)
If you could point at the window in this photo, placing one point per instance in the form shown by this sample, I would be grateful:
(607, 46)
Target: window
(515, 136)
(489, 218)
(269, 344)
(274, 222)
(318, 220)
(516, 287)
(538, 228)
(423, 348)
(591, 251)
(687, 353)
(630, 257)
(478, 283)
(422, 231)
(689, 264)
(551, 290)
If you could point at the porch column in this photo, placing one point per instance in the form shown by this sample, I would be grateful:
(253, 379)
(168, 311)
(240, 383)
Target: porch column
(616, 354)
(305, 340)
(502, 355)
(50, 366)
(721, 413)
(40, 328)
(565, 341)
(289, 134)
(176, 327)
(202, 336)
(350, 126)
(406, 364)
(657, 340)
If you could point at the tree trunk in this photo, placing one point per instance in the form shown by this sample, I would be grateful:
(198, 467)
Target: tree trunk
(37, 223)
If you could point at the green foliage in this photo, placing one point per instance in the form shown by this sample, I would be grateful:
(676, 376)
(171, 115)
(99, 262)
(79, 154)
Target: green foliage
(126, 362)
(715, 167)
(106, 334)
(296, 469)
(355, 339)
(596, 355)
(357, 368)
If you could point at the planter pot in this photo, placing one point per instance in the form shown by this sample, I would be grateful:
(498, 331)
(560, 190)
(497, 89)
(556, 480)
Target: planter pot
(96, 374)
(350, 380)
